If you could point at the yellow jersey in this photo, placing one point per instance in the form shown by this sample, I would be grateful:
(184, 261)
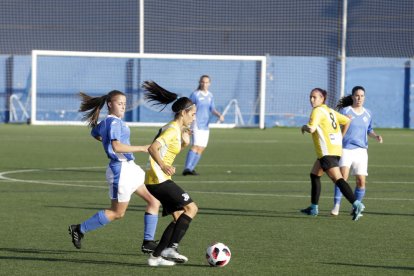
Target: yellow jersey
(327, 137)
(170, 139)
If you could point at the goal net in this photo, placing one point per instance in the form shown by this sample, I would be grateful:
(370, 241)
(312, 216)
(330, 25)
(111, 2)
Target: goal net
(237, 83)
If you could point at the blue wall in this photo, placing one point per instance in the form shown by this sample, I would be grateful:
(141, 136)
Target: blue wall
(388, 83)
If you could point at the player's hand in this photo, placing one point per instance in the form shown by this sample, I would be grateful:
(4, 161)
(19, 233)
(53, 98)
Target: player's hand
(145, 148)
(168, 170)
(303, 129)
(379, 139)
(186, 137)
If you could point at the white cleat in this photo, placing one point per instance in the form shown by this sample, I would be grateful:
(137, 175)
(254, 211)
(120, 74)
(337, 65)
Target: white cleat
(159, 261)
(335, 210)
(172, 254)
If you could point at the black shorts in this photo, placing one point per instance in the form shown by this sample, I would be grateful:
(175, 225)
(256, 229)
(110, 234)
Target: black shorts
(329, 161)
(171, 196)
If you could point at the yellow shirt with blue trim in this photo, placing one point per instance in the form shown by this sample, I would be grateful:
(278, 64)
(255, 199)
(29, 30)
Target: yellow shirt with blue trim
(327, 137)
(170, 140)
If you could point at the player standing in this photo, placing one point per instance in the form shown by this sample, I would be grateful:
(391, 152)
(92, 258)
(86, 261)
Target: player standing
(324, 125)
(204, 101)
(355, 143)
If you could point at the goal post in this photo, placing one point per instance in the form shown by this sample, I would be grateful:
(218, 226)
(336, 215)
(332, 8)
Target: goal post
(58, 76)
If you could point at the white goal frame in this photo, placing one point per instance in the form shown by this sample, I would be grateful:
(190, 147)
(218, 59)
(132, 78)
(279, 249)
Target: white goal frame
(37, 53)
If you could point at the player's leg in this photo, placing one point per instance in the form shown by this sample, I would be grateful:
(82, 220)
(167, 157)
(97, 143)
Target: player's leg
(360, 187)
(315, 177)
(183, 220)
(98, 220)
(335, 174)
(150, 219)
(361, 171)
(338, 193)
(200, 141)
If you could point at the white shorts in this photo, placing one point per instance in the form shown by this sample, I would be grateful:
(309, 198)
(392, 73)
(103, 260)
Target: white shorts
(356, 159)
(124, 178)
(200, 136)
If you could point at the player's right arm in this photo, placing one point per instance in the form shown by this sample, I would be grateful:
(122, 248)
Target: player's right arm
(314, 119)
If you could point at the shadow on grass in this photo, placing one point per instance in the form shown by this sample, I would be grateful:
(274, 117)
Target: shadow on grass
(374, 266)
(69, 260)
(206, 211)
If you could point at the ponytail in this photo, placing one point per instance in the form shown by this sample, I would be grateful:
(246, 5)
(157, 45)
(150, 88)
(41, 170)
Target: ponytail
(160, 96)
(344, 102)
(93, 106)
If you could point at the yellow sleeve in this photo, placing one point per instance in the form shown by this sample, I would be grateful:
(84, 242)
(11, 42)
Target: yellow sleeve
(167, 136)
(315, 117)
(342, 119)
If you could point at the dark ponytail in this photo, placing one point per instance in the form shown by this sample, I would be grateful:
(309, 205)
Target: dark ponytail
(160, 96)
(344, 102)
(93, 106)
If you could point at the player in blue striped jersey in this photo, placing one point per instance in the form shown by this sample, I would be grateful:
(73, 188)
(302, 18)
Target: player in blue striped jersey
(355, 143)
(123, 175)
(204, 101)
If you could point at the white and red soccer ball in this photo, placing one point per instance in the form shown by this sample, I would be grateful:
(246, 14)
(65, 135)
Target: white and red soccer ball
(218, 254)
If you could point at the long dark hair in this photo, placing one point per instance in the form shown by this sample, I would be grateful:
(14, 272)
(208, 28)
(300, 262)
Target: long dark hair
(93, 106)
(347, 100)
(160, 96)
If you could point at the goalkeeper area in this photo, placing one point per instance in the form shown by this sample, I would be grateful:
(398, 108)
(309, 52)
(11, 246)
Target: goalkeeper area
(238, 84)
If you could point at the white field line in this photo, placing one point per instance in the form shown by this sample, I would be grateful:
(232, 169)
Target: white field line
(60, 183)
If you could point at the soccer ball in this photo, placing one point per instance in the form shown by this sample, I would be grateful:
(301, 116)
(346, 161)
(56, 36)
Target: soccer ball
(218, 254)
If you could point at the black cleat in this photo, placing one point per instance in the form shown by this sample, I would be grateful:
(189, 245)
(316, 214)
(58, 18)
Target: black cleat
(148, 247)
(77, 236)
(189, 172)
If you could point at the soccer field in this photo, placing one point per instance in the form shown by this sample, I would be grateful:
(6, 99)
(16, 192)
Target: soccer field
(251, 187)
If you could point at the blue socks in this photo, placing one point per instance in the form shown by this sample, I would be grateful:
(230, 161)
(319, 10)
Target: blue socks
(96, 221)
(150, 226)
(190, 157)
(192, 160)
(337, 195)
(195, 161)
(359, 194)
(100, 219)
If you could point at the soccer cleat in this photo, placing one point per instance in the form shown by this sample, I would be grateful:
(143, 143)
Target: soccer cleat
(148, 246)
(335, 210)
(77, 236)
(310, 211)
(189, 172)
(172, 254)
(159, 261)
(358, 208)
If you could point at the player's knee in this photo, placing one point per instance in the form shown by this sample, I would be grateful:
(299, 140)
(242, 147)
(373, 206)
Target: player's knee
(119, 214)
(192, 209)
(154, 203)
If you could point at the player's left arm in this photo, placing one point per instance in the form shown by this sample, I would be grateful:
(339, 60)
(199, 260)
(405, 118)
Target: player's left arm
(215, 111)
(377, 137)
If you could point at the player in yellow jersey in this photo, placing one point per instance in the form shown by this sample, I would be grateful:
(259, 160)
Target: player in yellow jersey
(175, 201)
(325, 126)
